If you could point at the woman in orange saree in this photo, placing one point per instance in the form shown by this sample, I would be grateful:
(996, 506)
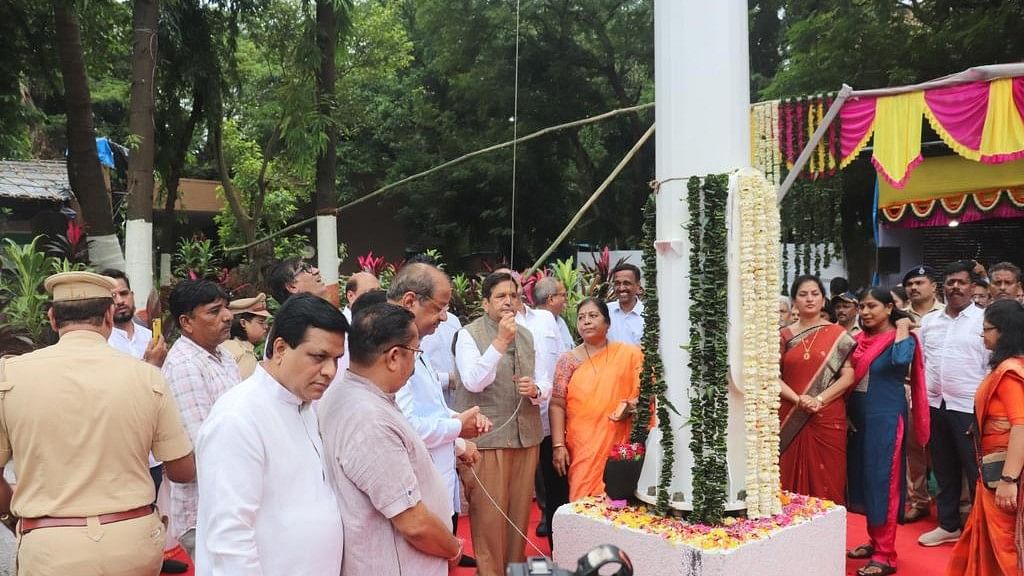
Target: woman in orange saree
(591, 384)
(993, 539)
(815, 376)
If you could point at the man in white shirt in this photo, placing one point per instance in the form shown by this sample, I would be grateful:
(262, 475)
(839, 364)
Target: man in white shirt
(426, 291)
(627, 311)
(265, 504)
(127, 336)
(437, 347)
(955, 361)
(501, 373)
(552, 490)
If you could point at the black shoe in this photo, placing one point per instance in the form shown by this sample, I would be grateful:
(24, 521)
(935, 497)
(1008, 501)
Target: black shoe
(174, 567)
(467, 562)
(543, 530)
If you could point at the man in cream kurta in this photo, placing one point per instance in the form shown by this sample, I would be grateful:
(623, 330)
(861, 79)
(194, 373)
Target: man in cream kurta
(265, 504)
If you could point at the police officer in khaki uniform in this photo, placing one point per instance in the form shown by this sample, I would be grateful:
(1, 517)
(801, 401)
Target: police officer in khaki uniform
(80, 418)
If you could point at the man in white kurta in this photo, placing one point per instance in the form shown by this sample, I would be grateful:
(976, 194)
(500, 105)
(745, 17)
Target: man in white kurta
(424, 289)
(265, 504)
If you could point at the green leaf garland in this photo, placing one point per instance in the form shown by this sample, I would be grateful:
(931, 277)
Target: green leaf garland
(709, 325)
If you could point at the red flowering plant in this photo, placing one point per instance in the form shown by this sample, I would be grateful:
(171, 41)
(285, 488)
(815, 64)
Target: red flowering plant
(627, 452)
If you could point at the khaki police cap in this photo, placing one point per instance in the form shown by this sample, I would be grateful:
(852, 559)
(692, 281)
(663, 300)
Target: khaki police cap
(70, 286)
(256, 305)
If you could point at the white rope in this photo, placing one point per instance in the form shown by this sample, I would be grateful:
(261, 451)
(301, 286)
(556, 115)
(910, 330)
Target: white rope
(510, 522)
(515, 137)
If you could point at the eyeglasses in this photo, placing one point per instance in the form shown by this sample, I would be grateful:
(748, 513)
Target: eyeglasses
(415, 351)
(440, 308)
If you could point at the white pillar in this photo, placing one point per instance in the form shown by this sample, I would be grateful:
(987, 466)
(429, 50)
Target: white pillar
(138, 255)
(327, 253)
(703, 127)
(105, 252)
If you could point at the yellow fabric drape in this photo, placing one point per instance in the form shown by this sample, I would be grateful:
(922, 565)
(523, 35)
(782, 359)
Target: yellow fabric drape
(898, 136)
(1004, 128)
(948, 175)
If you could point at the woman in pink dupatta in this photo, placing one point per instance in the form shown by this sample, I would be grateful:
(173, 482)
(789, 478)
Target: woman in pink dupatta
(879, 420)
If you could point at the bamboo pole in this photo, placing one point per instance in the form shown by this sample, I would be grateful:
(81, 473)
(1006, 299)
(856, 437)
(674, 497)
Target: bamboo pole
(590, 201)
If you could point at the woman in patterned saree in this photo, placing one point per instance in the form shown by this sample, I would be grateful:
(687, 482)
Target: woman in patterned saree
(815, 377)
(879, 420)
(594, 384)
(993, 538)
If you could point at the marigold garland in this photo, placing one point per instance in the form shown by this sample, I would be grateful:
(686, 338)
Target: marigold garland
(759, 252)
(708, 346)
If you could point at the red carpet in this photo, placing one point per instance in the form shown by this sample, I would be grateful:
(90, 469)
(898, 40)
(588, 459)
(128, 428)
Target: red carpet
(914, 559)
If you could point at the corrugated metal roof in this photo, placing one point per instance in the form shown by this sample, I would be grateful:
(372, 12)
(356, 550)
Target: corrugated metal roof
(35, 180)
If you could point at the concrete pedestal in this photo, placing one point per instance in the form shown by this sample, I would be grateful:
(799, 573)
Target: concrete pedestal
(813, 546)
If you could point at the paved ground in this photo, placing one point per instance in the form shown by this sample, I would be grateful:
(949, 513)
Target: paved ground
(6, 552)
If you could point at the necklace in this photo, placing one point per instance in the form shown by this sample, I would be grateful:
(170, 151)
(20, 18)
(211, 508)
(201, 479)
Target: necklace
(808, 345)
(593, 366)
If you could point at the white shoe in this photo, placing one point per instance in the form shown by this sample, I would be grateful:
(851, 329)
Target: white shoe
(938, 537)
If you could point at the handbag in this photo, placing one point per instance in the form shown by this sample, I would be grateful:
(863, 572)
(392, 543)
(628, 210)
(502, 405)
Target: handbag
(992, 468)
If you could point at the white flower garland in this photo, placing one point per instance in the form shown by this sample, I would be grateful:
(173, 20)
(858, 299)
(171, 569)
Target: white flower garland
(765, 153)
(760, 281)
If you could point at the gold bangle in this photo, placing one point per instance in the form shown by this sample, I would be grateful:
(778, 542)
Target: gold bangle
(559, 445)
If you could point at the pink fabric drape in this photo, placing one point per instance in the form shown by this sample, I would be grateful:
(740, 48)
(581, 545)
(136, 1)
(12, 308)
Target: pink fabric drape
(960, 112)
(857, 118)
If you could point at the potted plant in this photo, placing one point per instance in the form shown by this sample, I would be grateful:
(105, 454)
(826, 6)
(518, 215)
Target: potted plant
(622, 470)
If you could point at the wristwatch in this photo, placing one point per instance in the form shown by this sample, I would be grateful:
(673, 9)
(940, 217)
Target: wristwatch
(1009, 479)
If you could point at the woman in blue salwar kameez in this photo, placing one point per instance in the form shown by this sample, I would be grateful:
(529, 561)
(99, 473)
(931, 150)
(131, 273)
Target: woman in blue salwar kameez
(886, 353)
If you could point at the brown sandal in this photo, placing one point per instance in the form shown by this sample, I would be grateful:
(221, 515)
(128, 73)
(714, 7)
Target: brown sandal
(874, 568)
(861, 552)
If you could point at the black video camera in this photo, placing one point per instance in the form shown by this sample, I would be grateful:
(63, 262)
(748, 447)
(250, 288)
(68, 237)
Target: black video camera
(588, 565)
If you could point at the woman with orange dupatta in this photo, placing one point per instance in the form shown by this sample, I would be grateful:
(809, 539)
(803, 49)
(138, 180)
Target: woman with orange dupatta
(815, 377)
(595, 391)
(993, 539)
(886, 351)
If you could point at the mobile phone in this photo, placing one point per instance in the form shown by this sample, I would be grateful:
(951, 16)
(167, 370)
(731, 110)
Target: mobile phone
(158, 328)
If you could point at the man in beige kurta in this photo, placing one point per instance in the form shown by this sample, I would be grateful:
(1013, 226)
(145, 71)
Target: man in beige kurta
(81, 418)
(500, 373)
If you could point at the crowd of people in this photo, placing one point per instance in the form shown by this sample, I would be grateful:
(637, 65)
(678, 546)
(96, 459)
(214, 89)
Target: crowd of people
(881, 386)
(316, 440)
(320, 440)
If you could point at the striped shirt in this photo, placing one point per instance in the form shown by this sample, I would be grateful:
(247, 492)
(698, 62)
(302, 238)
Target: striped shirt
(196, 378)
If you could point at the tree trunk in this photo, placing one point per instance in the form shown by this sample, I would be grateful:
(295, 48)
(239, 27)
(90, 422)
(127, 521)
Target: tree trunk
(175, 167)
(326, 199)
(139, 229)
(84, 172)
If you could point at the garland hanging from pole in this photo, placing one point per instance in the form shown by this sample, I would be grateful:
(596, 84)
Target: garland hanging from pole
(652, 376)
(653, 389)
(708, 346)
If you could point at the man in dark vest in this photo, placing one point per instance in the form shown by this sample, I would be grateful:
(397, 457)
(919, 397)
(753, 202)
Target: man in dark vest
(500, 373)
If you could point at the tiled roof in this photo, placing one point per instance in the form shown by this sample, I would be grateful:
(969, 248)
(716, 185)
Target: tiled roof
(35, 180)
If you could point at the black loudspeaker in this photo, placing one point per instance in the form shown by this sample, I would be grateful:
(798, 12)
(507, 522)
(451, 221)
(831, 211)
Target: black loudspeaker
(889, 260)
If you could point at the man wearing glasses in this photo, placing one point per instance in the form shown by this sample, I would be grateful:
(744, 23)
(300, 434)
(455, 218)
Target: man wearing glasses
(501, 372)
(293, 276)
(426, 291)
(394, 505)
